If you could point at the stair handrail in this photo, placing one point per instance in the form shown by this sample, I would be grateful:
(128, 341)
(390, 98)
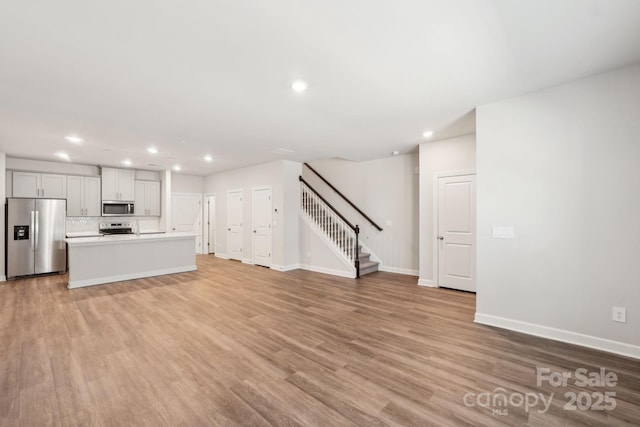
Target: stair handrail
(343, 197)
(354, 228)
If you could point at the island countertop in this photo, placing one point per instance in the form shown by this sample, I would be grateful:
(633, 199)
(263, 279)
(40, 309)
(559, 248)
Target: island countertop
(123, 238)
(114, 258)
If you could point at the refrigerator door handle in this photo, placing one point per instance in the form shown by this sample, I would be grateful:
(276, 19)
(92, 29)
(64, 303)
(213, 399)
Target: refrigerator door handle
(35, 231)
(33, 226)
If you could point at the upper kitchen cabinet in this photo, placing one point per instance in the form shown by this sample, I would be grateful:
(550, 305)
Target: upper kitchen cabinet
(118, 184)
(147, 198)
(39, 185)
(83, 196)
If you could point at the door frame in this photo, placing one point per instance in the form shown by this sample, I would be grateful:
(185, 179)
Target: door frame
(226, 225)
(253, 219)
(199, 195)
(205, 214)
(436, 191)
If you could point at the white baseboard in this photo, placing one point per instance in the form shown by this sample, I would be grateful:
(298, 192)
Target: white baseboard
(223, 256)
(247, 261)
(397, 270)
(427, 282)
(285, 267)
(328, 271)
(562, 335)
(131, 276)
(3, 278)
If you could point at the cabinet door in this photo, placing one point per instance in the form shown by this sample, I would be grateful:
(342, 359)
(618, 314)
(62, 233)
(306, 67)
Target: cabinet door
(92, 199)
(26, 184)
(53, 186)
(126, 184)
(110, 184)
(141, 209)
(152, 198)
(75, 193)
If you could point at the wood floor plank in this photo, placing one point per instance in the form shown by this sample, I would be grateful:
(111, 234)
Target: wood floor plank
(234, 344)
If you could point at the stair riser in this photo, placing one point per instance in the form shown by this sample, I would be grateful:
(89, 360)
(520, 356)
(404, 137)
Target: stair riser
(369, 270)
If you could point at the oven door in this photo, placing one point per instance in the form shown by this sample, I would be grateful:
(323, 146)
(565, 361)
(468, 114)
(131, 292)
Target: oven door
(117, 209)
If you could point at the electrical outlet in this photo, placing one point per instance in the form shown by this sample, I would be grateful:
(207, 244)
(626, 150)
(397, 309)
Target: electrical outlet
(619, 314)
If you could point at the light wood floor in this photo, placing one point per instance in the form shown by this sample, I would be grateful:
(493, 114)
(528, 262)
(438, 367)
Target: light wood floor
(233, 344)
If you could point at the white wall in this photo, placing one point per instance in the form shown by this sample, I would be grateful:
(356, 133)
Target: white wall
(187, 183)
(387, 191)
(447, 155)
(316, 255)
(562, 166)
(276, 174)
(289, 213)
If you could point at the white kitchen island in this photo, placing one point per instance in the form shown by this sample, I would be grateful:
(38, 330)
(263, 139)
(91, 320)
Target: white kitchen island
(114, 258)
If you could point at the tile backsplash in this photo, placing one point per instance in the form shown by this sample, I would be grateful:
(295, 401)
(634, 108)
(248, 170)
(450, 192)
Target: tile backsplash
(81, 224)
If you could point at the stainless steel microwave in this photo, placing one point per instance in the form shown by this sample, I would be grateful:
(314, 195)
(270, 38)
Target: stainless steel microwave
(118, 209)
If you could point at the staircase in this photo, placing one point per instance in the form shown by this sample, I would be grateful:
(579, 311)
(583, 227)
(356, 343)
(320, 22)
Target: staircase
(366, 265)
(337, 229)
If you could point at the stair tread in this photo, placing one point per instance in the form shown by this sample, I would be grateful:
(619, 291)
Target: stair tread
(368, 264)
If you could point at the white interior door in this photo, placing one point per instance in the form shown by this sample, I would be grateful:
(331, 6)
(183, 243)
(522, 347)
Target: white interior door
(261, 215)
(234, 224)
(186, 215)
(457, 232)
(211, 224)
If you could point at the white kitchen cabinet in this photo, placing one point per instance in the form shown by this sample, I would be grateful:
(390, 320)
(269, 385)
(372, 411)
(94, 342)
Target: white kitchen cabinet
(83, 196)
(92, 199)
(147, 201)
(39, 185)
(118, 184)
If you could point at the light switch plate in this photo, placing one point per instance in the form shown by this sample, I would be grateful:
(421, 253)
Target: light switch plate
(503, 233)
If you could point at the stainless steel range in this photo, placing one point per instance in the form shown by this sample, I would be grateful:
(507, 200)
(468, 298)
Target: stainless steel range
(116, 228)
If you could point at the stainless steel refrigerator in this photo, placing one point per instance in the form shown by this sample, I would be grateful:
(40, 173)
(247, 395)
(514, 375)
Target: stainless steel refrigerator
(35, 236)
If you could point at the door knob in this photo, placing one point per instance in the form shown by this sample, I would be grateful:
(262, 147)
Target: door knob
(440, 238)
(254, 231)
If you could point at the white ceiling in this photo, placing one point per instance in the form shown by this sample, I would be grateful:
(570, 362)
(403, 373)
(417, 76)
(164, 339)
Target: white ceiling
(198, 77)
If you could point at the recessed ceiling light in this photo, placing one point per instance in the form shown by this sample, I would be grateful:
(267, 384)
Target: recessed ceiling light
(152, 150)
(208, 158)
(177, 168)
(299, 86)
(62, 155)
(126, 162)
(73, 138)
(395, 152)
(427, 133)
